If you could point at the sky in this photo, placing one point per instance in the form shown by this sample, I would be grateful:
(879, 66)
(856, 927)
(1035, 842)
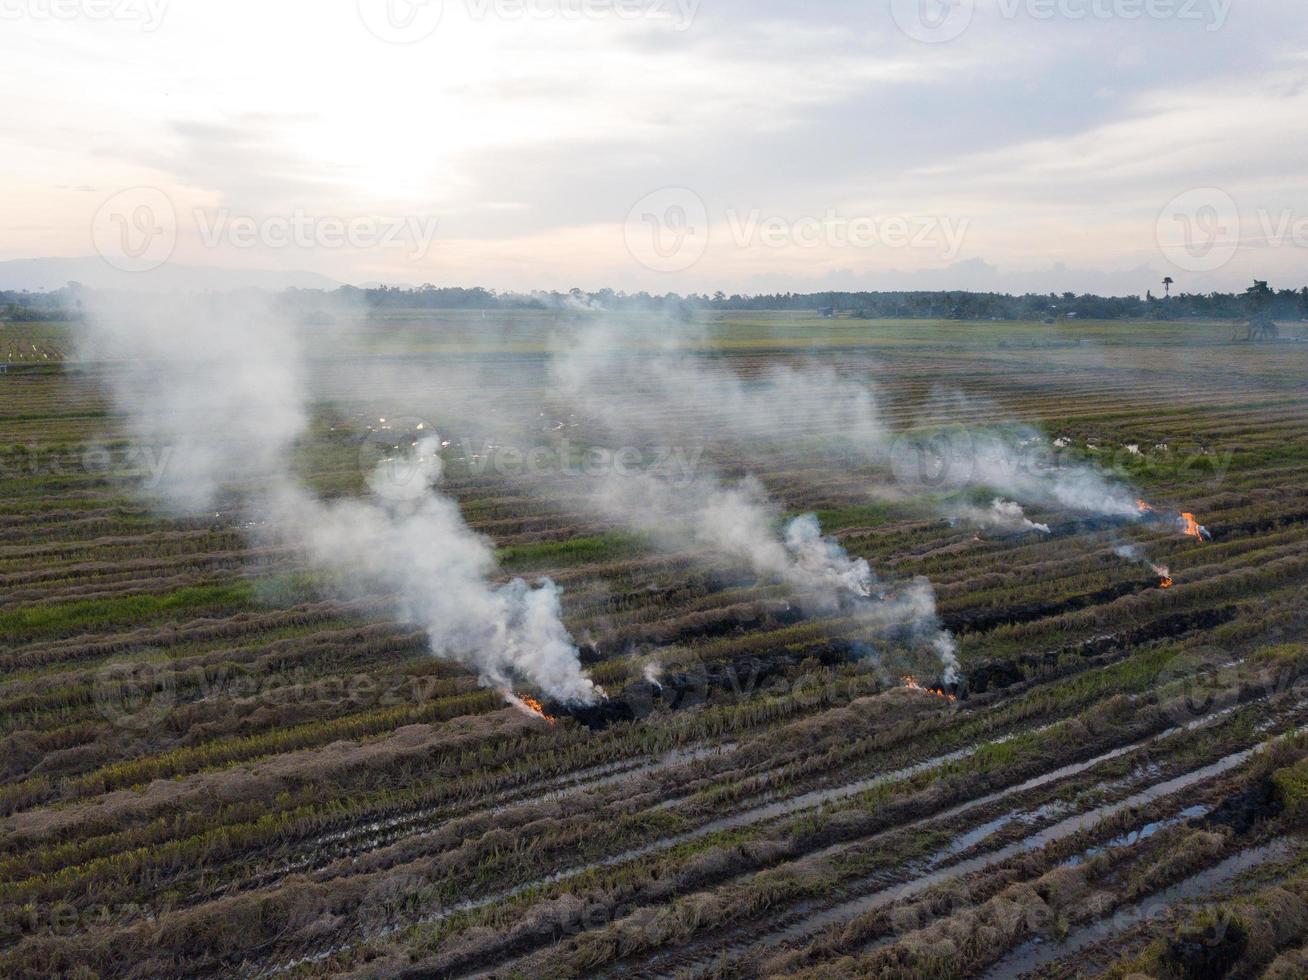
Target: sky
(664, 145)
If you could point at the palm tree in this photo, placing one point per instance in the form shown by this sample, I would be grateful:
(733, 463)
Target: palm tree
(1167, 287)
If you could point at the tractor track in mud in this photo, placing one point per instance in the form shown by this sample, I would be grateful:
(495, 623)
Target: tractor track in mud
(820, 848)
(810, 918)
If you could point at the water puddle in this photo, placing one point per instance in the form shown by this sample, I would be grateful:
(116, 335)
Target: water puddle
(855, 907)
(1056, 832)
(1038, 953)
(1131, 838)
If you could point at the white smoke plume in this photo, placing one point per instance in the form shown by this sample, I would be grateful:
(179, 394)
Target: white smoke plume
(740, 522)
(1019, 464)
(643, 389)
(221, 383)
(1135, 553)
(1002, 515)
(737, 521)
(947, 650)
(684, 395)
(666, 391)
(217, 385)
(824, 559)
(1130, 552)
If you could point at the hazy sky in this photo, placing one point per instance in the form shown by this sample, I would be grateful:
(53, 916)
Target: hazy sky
(747, 145)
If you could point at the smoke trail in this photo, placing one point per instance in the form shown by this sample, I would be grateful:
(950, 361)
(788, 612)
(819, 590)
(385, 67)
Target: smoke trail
(739, 521)
(683, 395)
(1019, 463)
(1002, 515)
(1135, 553)
(221, 382)
(420, 548)
(667, 393)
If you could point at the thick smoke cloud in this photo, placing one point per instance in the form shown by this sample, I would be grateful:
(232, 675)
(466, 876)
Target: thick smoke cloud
(222, 384)
(665, 394)
(666, 391)
(219, 386)
(417, 545)
(740, 522)
(1018, 463)
(669, 391)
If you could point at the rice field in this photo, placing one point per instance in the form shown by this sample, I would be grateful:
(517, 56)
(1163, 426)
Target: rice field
(218, 762)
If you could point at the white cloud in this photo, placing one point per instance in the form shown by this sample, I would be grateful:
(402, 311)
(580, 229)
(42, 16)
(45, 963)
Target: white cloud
(531, 137)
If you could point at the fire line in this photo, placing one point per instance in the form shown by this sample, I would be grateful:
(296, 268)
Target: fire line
(529, 706)
(913, 684)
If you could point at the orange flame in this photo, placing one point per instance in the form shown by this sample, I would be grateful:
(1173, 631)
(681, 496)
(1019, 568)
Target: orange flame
(1187, 523)
(913, 684)
(529, 706)
(1194, 529)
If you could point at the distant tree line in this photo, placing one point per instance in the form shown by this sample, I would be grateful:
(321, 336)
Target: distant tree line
(1260, 299)
(1284, 304)
(58, 304)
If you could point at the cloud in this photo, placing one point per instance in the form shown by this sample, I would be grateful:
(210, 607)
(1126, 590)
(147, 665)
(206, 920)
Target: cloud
(532, 137)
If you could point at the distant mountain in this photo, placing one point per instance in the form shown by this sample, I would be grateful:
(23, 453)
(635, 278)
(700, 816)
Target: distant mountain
(41, 275)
